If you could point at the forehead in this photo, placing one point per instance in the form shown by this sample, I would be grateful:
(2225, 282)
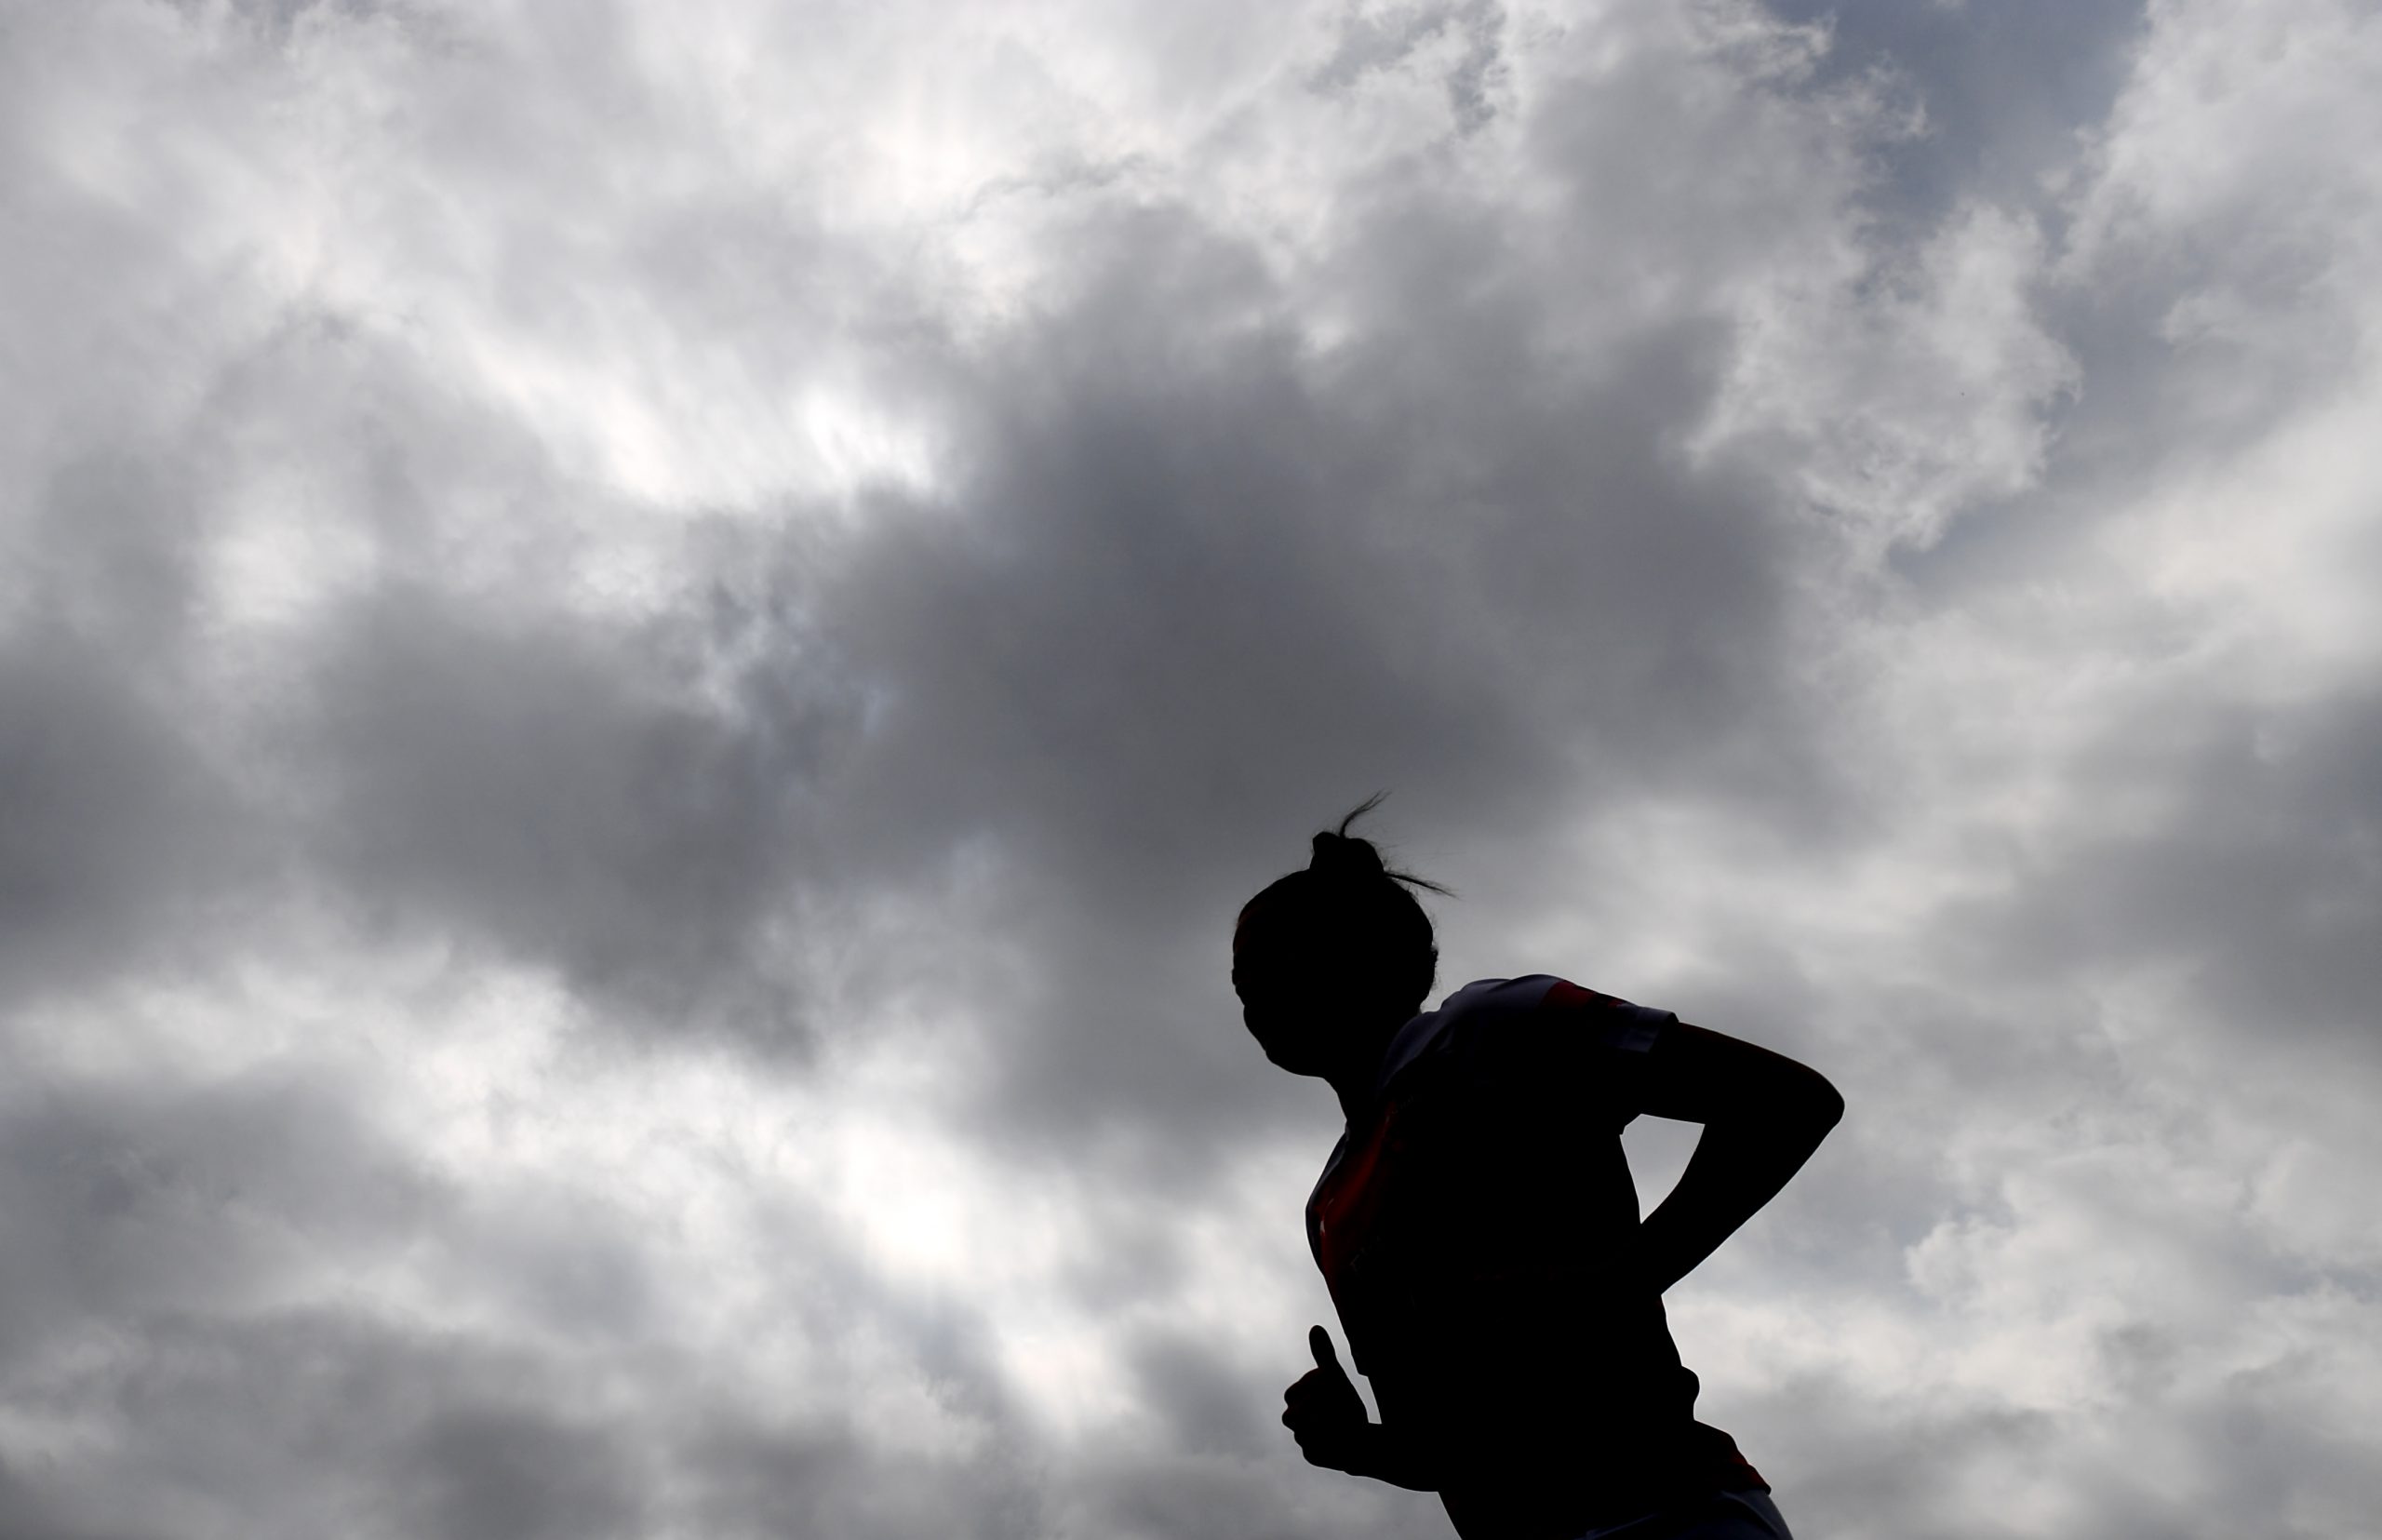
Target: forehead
(1254, 942)
(1274, 942)
(1282, 926)
(1259, 926)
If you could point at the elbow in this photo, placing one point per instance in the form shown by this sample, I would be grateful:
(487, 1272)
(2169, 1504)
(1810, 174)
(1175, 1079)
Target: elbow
(1818, 1102)
(1828, 1102)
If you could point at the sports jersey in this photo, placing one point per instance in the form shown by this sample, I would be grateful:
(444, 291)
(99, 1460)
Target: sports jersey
(1478, 1230)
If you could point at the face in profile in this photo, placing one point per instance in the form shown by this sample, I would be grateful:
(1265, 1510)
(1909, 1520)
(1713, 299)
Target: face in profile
(1290, 1001)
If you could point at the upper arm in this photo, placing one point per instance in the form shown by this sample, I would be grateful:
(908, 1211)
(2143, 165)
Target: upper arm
(1699, 1076)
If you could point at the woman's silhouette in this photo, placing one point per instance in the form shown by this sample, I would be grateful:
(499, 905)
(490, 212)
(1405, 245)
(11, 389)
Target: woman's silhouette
(1479, 1228)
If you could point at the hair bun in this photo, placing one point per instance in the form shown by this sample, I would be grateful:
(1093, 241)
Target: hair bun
(1345, 856)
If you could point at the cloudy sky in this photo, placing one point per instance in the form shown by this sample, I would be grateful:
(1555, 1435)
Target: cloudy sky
(645, 650)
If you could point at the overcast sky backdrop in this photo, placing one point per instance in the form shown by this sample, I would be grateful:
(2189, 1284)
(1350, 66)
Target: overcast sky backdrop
(645, 651)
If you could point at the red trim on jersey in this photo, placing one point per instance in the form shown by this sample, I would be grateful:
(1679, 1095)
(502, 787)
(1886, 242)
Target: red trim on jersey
(1565, 993)
(1348, 1203)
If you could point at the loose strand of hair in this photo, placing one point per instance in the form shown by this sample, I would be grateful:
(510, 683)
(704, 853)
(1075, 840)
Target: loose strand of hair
(1368, 805)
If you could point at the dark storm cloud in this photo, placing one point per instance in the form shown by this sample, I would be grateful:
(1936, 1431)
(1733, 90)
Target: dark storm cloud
(119, 817)
(561, 791)
(1199, 578)
(484, 1473)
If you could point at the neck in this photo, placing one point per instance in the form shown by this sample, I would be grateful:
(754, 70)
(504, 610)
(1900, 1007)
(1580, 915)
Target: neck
(1357, 1074)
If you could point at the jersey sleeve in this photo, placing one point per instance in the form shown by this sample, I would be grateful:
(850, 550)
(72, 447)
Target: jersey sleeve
(1574, 1046)
(1594, 1023)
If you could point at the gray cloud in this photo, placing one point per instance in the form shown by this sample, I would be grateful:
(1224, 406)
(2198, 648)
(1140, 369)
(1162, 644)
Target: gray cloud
(120, 815)
(1368, 42)
(129, 1200)
(560, 792)
(2259, 875)
(2002, 92)
(484, 1472)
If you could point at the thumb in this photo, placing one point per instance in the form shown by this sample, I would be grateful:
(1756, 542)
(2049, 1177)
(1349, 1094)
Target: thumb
(1319, 1342)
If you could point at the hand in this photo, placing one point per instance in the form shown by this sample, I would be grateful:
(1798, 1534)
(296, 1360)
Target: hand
(1323, 1410)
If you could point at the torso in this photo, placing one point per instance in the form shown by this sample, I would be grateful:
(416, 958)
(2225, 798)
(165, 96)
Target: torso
(1478, 1233)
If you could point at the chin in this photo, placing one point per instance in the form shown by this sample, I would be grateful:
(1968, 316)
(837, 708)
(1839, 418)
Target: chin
(1291, 1057)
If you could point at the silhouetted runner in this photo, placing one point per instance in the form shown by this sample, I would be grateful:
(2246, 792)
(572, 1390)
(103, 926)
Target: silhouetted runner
(1478, 1224)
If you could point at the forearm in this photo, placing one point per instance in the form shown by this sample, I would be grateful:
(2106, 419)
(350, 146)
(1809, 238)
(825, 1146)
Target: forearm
(1385, 1454)
(1738, 1166)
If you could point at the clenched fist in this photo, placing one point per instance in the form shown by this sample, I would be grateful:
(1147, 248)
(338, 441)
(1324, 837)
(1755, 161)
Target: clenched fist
(1323, 1410)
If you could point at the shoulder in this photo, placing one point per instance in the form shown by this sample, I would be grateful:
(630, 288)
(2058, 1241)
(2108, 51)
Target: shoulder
(1535, 1026)
(1543, 1023)
(1608, 1019)
(1483, 1007)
